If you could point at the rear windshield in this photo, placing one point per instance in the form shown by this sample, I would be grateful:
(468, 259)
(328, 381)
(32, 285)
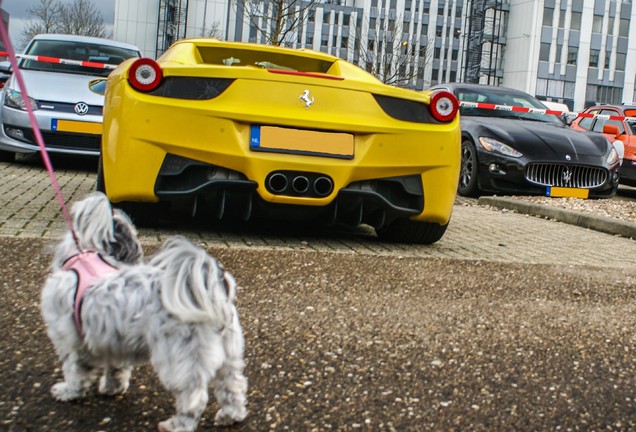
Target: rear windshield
(262, 59)
(75, 51)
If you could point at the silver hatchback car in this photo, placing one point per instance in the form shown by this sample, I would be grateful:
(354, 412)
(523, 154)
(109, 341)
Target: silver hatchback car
(68, 112)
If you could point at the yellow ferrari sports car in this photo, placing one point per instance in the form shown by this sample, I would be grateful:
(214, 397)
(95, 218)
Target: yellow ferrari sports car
(259, 131)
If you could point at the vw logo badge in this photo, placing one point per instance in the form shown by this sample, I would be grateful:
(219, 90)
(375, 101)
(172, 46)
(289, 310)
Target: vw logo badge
(81, 108)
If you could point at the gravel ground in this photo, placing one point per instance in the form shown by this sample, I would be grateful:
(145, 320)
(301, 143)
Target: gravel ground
(613, 208)
(622, 207)
(349, 342)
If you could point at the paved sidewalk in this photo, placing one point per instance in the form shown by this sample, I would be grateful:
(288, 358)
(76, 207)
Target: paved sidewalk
(29, 209)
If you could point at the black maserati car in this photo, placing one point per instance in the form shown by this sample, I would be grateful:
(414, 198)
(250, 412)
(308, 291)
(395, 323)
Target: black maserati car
(511, 147)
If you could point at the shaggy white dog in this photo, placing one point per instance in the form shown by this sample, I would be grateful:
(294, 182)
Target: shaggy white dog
(176, 311)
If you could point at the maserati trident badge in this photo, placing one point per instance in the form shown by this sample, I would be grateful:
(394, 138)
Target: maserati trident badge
(307, 98)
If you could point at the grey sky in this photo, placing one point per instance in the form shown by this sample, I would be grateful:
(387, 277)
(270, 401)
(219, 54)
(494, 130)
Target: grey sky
(17, 10)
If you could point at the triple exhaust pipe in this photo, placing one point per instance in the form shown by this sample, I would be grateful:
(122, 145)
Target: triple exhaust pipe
(294, 183)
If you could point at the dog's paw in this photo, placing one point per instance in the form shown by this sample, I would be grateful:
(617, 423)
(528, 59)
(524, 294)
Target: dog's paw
(110, 387)
(176, 424)
(63, 392)
(226, 418)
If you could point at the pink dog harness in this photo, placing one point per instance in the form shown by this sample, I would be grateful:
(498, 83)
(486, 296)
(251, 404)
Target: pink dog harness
(89, 267)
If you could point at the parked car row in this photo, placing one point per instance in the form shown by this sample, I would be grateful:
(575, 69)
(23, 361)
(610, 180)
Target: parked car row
(254, 130)
(245, 130)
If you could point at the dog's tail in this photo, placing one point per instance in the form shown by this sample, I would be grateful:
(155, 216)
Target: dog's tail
(194, 286)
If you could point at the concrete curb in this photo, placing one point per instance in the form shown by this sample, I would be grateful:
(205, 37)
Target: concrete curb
(585, 220)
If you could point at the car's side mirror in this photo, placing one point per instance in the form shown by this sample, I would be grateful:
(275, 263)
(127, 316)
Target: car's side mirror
(5, 67)
(98, 86)
(611, 129)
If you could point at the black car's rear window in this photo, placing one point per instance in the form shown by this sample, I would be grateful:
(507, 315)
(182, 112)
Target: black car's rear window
(81, 51)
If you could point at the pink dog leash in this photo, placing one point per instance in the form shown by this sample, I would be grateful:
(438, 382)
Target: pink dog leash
(36, 130)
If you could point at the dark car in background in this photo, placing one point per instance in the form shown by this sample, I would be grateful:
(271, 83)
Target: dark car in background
(619, 126)
(511, 146)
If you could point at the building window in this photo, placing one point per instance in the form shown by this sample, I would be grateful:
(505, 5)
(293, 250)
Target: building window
(623, 28)
(544, 52)
(558, 53)
(594, 58)
(575, 21)
(548, 14)
(573, 53)
(562, 19)
(620, 61)
(346, 20)
(610, 25)
(609, 95)
(597, 24)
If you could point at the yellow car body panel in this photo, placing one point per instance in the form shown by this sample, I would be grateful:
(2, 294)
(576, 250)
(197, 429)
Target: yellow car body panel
(141, 129)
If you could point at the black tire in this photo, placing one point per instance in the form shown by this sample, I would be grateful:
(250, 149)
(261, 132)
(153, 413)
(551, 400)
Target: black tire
(408, 231)
(99, 182)
(7, 156)
(143, 215)
(468, 186)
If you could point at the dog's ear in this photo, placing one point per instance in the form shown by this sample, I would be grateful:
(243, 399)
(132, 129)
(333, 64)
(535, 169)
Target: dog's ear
(126, 247)
(228, 282)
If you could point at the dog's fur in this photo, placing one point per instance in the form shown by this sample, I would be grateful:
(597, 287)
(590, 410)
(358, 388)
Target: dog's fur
(175, 311)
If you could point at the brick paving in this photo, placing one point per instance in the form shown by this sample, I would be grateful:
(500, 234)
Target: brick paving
(29, 209)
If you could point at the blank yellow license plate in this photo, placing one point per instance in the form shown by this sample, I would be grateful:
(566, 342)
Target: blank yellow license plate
(76, 126)
(298, 141)
(561, 192)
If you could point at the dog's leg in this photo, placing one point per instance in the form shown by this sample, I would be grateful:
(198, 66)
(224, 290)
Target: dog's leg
(230, 385)
(190, 405)
(114, 381)
(78, 379)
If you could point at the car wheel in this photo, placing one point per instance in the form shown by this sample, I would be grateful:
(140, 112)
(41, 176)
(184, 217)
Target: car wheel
(408, 231)
(99, 182)
(142, 214)
(7, 156)
(468, 172)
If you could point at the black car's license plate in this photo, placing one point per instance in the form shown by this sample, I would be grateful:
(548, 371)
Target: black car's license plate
(561, 192)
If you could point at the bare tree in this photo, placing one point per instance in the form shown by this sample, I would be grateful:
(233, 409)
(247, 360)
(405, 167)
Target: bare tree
(53, 16)
(81, 18)
(45, 14)
(385, 50)
(214, 31)
(276, 21)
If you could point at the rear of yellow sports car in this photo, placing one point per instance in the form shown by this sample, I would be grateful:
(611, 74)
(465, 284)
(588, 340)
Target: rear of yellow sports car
(250, 129)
